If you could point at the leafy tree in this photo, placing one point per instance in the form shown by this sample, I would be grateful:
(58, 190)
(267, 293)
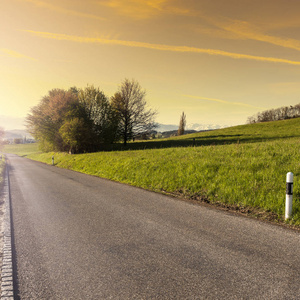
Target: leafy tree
(130, 106)
(47, 117)
(182, 124)
(100, 112)
(82, 120)
(49, 120)
(77, 131)
(76, 135)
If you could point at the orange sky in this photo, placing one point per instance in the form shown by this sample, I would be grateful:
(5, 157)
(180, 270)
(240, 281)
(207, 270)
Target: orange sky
(218, 61)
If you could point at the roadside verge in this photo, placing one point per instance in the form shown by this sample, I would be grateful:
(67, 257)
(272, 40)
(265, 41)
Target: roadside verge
(7, 287)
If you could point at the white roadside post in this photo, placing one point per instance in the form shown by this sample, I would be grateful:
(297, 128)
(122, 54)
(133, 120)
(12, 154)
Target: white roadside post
(289, 195)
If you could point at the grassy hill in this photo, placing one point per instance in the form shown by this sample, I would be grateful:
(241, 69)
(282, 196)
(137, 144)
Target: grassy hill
(252, 133)
(242, 168)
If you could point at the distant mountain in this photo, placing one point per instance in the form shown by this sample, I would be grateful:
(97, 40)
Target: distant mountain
(191, 126)
(170, 133)
(200, 127)
(165, 127)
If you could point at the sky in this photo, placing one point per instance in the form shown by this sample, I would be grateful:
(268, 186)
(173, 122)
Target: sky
(219, 61)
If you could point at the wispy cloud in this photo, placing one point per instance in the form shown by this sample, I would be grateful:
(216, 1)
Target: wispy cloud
(138, 9)
(15, 54)
(247, 31)
(62, 10)
(222, 101)
(161, 47)
(242, 30)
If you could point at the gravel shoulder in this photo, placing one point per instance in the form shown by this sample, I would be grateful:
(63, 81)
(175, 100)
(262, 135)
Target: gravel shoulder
(2, 212)
(6, 264)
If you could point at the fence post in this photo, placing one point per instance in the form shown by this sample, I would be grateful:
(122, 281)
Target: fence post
(289, 195)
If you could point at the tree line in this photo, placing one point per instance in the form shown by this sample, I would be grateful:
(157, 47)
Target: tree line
(281, 113)
(86, 120)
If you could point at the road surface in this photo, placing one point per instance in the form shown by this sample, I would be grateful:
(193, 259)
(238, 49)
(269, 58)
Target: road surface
(81, 237)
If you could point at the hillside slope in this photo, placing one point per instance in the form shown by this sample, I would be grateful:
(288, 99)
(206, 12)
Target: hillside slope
(250, 133)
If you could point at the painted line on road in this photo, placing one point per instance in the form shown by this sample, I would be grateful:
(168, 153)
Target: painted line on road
(7, 282)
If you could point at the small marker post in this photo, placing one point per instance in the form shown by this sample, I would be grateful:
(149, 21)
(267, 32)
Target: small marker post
(53, 160)
(289, 195)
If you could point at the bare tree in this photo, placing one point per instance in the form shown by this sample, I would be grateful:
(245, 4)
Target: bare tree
(100, 112)
(281, 113)
(182, 124)
(131, 107)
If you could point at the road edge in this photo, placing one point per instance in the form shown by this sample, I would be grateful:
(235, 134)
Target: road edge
(240, 211)
(7, 283)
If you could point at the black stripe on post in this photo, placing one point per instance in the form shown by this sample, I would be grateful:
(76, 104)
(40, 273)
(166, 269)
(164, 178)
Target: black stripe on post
(289, 188)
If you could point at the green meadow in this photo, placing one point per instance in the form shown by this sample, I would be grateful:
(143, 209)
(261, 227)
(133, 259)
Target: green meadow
(241, 168)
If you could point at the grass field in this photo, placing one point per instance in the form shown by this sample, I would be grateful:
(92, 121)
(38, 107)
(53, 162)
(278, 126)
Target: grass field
(22, 149)
(242, 167)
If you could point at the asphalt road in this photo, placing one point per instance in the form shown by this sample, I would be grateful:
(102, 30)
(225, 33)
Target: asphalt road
(82, 237)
